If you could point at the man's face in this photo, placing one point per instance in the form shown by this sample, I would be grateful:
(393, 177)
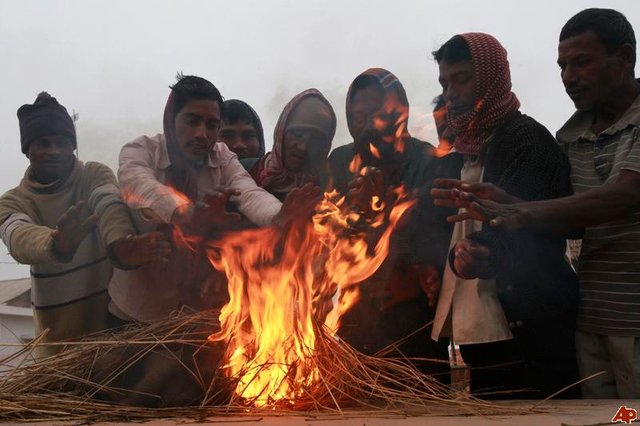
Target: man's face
(458, 86)
(241, 137)
(51, 157)
(304, 149)
(197, 125)
(366, 104)
(590, 76)
(374, 122)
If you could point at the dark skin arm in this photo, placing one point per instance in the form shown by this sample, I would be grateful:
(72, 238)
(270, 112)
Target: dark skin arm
(299, 206)
(364, 187)
(471, 259)
(129, 252)
(208, 215)
(609, 202)
(136, 250)
(455, 193)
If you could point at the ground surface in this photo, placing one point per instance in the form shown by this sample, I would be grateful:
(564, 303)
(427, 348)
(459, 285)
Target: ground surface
(557, 413)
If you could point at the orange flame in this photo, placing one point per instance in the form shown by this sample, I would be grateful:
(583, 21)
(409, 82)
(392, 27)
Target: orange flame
(355, 164)
(443, 148)
(374, 151)
(281, 286)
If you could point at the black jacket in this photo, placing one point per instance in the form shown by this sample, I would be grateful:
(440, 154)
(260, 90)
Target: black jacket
(537, 288)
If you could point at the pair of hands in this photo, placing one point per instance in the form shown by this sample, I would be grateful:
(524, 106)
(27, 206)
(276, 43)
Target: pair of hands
(210, 215)
(131, 251)
(299, 205)
(481, 201)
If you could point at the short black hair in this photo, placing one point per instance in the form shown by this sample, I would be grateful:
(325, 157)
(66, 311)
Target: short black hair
(190, 87)
(610, 26)
(453, 50)
(236, 111)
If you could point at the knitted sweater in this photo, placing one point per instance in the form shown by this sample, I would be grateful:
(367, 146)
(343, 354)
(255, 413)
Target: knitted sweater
(29, 214)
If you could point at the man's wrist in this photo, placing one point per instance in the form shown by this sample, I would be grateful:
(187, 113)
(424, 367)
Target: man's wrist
(116, 255)
(62, 256)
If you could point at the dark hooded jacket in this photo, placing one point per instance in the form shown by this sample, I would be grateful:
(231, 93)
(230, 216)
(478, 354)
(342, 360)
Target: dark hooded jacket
(374, 323)
(415, 165)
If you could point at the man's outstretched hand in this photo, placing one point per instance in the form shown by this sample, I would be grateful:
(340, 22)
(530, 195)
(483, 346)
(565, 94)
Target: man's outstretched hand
(511, 217)
(208, 215)
(483, 201)
(300, 205)
(71, 229)
(364, 187)
(137, 250)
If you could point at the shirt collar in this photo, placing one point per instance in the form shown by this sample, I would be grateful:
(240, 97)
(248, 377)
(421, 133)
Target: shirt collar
(579, 125)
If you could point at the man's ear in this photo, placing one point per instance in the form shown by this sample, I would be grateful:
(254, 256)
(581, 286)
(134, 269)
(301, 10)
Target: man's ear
(627, 54)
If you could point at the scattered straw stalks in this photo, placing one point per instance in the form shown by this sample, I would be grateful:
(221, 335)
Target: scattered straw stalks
(169, 369)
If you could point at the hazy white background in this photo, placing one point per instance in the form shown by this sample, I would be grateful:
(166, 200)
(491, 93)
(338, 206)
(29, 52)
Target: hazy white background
(112, 61)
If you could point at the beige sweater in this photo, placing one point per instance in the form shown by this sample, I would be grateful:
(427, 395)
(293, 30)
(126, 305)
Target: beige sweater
(28, 215)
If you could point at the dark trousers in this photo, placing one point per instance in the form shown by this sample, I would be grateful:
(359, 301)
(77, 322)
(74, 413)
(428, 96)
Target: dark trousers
(503, 370)
(497, 370)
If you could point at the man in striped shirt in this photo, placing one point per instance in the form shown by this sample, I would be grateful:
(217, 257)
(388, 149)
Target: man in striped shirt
(67, 220)
(596, 55)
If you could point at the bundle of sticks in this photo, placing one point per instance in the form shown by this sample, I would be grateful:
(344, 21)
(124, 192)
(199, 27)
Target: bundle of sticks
(169, 369)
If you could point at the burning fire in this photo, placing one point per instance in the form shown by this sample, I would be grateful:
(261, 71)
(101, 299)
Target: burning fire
(281, 286)
(374, 151)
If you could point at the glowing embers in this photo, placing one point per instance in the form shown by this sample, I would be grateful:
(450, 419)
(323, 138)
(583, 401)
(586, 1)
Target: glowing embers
(281, 285)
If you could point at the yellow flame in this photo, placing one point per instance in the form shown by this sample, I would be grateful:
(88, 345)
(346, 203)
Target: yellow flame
(281, 285)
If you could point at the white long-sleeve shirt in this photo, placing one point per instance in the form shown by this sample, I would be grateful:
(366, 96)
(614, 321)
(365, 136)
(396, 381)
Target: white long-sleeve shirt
(154, 290)
(142, 173)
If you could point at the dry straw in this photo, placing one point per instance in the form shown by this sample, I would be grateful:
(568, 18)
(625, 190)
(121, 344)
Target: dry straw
(168, 369)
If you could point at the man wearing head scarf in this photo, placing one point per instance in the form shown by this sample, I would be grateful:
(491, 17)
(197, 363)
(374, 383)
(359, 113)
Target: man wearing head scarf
(597, 57)
(394, 302)
(182, 180)
(241, 130)
(301, 143)
(507, 299)
(49, 222)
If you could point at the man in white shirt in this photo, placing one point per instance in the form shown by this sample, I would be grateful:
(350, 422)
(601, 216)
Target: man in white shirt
(183, 179)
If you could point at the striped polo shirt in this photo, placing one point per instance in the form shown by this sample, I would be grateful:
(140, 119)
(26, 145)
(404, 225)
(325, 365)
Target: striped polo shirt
(609, 264)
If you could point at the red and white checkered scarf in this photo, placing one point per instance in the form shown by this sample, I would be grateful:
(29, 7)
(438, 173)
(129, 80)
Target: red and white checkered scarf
(494, 98)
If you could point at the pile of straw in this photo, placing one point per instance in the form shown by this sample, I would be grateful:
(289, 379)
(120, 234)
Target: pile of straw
(170, 370)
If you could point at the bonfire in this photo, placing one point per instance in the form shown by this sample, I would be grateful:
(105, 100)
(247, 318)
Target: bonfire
(273, 348)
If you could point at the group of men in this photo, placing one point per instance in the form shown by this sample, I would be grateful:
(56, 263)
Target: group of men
(481, 256)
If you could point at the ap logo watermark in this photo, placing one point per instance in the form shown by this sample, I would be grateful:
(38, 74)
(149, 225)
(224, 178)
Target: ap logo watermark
(625, 415)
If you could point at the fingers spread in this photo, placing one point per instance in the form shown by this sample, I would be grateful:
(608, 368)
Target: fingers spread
(438, 193)
(447, 183)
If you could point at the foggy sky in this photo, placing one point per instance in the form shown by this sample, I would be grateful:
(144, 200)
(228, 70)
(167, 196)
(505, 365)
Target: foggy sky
(112, 61)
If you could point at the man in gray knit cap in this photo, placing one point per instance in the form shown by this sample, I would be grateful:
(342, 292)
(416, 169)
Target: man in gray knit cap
(66, 219)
